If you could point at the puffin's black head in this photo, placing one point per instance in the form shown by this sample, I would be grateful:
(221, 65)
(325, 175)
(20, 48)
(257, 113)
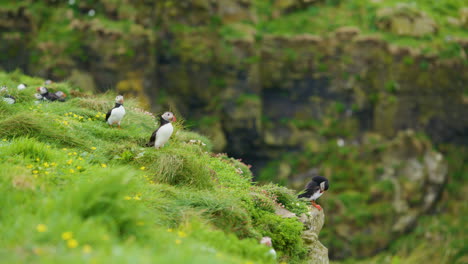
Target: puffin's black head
(169, 117)
(322, 182)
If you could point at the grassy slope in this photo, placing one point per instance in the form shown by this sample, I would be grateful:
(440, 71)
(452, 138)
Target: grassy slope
(75, 190)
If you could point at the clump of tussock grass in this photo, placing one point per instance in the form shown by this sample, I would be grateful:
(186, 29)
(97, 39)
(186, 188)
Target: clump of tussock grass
(178, 166)
(190, 137)
(221, 208)
(96, 104)
(36, 125)
(5, 108)
(104, 200)
(28, 148)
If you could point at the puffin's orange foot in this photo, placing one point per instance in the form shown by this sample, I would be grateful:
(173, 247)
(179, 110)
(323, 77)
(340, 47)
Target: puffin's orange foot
(316, 205)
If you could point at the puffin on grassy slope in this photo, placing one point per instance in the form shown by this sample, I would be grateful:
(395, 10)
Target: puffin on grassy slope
(116, 114)
(161, 135)
(22, 86)
(9, 99)
(315, 189)
(46, 95)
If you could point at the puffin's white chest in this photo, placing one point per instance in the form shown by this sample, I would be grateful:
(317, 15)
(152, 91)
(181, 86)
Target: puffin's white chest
(116, 115)
(9, 100)
(163, 135)
(316, 195)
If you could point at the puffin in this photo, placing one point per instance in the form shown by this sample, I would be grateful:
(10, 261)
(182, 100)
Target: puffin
(115, 115)
(9, 99)
(61, 95)
(314, 189)
(46, 95)
(22, 86)
(39, 98)
(161, 135)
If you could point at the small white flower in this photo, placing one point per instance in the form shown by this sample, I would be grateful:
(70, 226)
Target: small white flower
(91, 12)
(340, 142)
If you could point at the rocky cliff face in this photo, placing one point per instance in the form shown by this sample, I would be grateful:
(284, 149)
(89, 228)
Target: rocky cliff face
(337, 101)
(313, 222)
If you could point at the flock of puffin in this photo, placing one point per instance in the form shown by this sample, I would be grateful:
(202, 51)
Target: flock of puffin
(159, 137)
(313, 190)
(115, 115)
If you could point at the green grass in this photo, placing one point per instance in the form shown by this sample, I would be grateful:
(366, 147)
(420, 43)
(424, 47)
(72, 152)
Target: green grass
(322, 18)
(75, 190)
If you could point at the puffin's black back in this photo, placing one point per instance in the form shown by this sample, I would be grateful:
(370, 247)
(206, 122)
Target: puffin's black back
(313, 186)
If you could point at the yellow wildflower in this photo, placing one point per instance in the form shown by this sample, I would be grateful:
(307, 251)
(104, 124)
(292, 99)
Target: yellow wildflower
(79, 167)
(67, 235)
(53, 164)
(75, 115)
(38, 159)
(170, 230)
(46, 164)
(93, 148)
(35, 171)
(103, 165)
(29, 166)
(4, 139)
(38, 251)
(127, 198)
(64, 149)
(41, 228)
(74, 153)
(46, 173)
(142, 168)
(181, 234)
(65, 123)
(80, 158)
(72, 243)
(87, 249)
(69, 161)
(72, 171)
(138, 198)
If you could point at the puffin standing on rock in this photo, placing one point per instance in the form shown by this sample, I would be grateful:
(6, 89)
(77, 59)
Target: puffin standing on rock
(161, 135)
(315, 189)
(116, 114)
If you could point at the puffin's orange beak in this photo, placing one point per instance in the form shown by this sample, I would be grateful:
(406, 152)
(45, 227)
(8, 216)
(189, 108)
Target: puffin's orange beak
(38, 88)
(174, 119)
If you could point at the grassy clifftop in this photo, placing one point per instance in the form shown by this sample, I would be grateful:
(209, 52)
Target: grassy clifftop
(75, 190)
